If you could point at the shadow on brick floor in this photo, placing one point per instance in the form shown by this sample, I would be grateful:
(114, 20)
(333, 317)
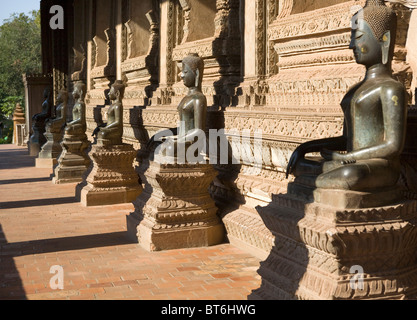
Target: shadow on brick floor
(20, 158)
(27, 180)
(36, 202)
(65, 244)
(11, 287)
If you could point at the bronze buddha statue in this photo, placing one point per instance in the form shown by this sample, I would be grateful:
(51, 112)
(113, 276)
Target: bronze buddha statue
(112, 133)
(192, 111)
(56, 124)
(366, 156)
(78, 125)
(46, 112)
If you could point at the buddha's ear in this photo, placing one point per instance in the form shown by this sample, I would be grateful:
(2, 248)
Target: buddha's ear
(197, 78)
(385, 46)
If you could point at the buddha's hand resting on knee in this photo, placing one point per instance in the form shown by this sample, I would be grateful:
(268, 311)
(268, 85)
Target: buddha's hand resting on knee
(330, 155)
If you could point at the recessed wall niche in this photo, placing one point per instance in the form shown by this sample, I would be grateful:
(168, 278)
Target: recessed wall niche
(102, 31)
(138, 28)
(301, 6)
(196, 18)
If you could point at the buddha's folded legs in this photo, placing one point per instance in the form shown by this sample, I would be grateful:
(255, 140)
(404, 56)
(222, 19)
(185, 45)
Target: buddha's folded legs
(359, 176)
(76, 129)
(112, 134)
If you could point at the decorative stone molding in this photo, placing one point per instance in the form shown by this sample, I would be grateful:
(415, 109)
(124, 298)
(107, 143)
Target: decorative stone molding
(204, 48)
(334, 18)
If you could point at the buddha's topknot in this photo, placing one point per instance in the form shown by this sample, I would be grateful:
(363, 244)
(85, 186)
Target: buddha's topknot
(379, 17)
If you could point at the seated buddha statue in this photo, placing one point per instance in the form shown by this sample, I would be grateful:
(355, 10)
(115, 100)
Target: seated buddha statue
(192, 111)
(78, 125)
(56, 124)
(112, 133)
(46, 112)
(366, 156)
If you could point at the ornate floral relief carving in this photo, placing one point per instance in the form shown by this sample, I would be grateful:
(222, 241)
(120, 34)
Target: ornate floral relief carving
(316, 59)
(186, 8)
(221, 19)
(292, 127)
(261, 37)
(329, 43)
(170, 43)
(165, 118)
(272, 58)
(334, 18)
(253, 93)
(320, 87)
(204, 48)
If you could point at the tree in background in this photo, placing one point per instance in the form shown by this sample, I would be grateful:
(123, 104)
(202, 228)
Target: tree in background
(20, 52)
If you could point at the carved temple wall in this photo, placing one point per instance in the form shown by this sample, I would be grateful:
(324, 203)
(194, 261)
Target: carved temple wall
(281, 66)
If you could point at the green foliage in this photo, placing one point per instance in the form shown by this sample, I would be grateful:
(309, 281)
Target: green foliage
(7, 132)
(8, 104)
(20, 52)
(20, 48)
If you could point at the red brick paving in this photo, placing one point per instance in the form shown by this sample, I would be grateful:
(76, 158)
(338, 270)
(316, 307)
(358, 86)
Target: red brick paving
(41, 225)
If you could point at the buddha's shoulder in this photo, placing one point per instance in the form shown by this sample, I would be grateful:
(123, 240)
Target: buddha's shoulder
(385, 86)
(387, 83)
(199, 96)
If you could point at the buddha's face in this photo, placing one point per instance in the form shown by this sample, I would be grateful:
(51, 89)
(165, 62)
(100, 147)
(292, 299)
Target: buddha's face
(366, 48)
(112, 94)
(188, 76)
(76, 93)
(60, 97)
(46, 93)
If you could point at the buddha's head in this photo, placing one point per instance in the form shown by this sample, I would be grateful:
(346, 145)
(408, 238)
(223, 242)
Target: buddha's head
(62, 96)
(373, 34)
(117, 90)
(192, 70)
(47, 93)
(79, 90)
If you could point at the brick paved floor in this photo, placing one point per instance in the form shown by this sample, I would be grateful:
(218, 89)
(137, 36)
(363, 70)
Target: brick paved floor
(41, 225)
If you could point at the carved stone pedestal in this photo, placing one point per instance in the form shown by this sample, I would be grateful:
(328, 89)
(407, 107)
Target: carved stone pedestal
(113, 179)
(175, 210)
(50, 150)
(330, 244)
(73, 162)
